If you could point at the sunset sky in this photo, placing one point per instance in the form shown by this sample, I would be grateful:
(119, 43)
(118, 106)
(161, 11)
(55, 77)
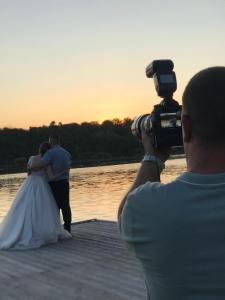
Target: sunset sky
(84, 60)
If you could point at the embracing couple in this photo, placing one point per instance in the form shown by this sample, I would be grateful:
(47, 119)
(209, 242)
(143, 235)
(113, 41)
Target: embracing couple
(34, 217)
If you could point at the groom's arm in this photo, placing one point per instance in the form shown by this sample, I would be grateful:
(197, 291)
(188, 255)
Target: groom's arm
(42, 162)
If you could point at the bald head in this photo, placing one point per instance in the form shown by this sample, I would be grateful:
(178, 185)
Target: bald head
(204, 103)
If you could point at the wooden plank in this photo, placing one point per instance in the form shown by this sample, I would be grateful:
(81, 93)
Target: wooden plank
(95, 264)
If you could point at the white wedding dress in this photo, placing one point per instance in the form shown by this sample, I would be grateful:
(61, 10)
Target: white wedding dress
(33, 219)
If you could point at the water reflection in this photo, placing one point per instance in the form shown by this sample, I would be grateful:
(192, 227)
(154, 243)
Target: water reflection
(95, 192)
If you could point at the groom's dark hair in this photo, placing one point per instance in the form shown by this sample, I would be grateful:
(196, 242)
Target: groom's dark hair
(55, 138)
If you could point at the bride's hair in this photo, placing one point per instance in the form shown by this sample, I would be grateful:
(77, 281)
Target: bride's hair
(44, 147)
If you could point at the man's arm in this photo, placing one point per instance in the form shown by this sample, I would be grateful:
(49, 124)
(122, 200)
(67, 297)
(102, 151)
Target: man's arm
(149, 170)
(53, 176)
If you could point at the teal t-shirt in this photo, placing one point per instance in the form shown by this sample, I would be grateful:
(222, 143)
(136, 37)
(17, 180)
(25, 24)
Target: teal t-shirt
(177, 230)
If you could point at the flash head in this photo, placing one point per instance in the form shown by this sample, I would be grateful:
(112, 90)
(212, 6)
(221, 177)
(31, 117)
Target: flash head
(164, 78)
(159, 66)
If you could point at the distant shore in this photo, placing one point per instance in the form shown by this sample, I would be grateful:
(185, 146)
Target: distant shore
(87, 163)
(82, 163)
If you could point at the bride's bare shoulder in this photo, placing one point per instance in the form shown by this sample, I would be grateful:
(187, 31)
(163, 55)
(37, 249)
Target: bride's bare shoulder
(34, 158)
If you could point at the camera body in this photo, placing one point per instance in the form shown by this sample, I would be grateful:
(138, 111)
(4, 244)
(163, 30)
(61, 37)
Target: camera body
(164, 122)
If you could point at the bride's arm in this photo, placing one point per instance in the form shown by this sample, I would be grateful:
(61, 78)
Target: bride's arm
(32, 160)
(53, 176)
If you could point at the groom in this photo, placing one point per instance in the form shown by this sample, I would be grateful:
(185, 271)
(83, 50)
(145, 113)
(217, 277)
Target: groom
(59, 159)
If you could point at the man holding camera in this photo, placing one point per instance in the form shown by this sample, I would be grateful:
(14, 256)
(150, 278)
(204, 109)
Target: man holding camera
(177, 230)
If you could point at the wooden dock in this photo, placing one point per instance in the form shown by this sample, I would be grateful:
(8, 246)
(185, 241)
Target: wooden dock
(94, 265)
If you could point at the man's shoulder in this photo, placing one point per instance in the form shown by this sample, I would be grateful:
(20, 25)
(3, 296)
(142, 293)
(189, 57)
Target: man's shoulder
(65, 151)
(148, 203)
(153, 187)
(60, 151)
(57, 149)
(50, 154)
(152, 194)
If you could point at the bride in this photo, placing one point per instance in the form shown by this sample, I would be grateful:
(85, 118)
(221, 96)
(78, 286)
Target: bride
(33, 219)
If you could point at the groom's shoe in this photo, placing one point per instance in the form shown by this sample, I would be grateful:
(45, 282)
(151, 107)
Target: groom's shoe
(67, 227)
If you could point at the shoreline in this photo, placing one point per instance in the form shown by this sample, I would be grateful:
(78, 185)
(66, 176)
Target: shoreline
(90, 163)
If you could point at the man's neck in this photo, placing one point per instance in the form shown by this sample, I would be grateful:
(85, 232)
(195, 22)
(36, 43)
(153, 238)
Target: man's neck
(205, 160)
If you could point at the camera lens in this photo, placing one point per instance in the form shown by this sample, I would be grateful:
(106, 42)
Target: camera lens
(139, 123)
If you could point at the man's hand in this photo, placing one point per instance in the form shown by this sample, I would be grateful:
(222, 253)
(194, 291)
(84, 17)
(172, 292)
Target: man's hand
(148, 144)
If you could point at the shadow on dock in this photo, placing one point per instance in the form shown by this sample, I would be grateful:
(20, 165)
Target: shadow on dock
(94, 265)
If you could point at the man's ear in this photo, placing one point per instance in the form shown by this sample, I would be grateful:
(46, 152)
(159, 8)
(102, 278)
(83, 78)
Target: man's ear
(186, 128)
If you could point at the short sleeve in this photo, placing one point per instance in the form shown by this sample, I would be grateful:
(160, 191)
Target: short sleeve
(135, 221)
(131, 220)
(47, 158)
(126, 222)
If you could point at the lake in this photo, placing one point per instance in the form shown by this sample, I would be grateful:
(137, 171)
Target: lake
(95, 192)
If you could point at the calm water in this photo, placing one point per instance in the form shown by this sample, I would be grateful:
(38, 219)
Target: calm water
(94, 192)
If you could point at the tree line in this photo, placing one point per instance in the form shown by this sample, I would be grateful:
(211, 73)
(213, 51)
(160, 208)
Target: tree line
(90, 143)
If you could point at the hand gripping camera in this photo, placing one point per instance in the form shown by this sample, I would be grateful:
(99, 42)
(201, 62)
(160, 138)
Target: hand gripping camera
(164, 122)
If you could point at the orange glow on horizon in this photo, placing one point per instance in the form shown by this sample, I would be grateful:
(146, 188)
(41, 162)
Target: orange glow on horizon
(69, 64)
